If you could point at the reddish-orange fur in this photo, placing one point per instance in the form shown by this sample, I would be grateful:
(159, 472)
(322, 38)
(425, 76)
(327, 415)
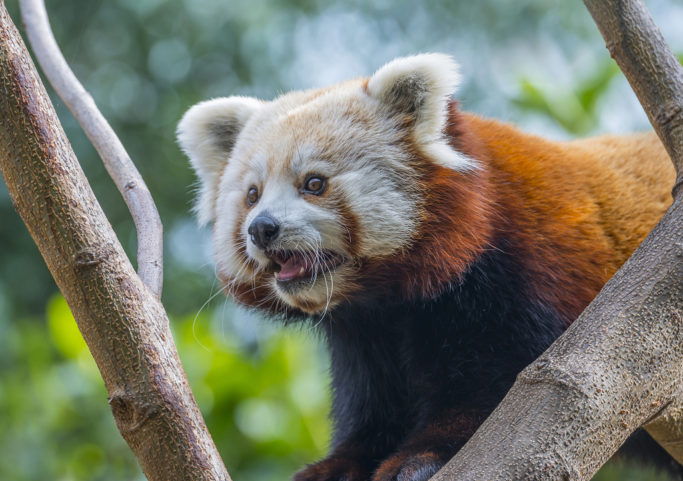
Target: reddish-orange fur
(572, 211)
(436, 274)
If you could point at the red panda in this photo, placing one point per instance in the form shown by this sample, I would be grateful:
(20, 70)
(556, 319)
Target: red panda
(438, 252)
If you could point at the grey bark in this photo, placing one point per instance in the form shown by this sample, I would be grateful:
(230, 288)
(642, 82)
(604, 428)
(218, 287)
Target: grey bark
(651, 68)
(620, 365)
(667, 427)
(123, 323)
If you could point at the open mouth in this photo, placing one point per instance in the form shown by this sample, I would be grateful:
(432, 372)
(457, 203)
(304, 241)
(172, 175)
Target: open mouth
(291, 266)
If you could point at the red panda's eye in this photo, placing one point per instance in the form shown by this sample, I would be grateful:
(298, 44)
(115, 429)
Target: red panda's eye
(315, 185)
(252, 196)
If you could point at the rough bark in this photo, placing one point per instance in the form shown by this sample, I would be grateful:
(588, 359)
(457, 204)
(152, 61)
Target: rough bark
(615, 368)
(667, 428)
(656, 76)
(114, 156)
(620, 365)
(123, 323)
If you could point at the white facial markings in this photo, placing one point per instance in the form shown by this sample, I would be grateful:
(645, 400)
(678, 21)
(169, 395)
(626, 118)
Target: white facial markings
(387, 212)
(368, 173)
(357, 135)
(304, 227)
(306, 159)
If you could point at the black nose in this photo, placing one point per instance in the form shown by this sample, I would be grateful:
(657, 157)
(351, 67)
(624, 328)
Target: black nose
(263, 230)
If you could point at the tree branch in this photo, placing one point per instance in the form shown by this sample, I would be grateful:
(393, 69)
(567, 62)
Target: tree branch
(667, 428)
(114, 156)
(622, 360)
(656, 76)
(123, 323)
(613, 370)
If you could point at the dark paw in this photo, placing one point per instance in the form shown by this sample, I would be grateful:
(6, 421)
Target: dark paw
(334, 469)
(412, 467)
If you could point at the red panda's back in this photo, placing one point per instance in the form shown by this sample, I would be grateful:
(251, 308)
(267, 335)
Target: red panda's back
(612, 188)
(634, 185)
(572, 212)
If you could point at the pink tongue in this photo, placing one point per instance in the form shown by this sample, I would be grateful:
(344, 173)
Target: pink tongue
(291, 269)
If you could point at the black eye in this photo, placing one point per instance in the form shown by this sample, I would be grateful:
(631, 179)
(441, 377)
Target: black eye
(315, 185)
(252, 196)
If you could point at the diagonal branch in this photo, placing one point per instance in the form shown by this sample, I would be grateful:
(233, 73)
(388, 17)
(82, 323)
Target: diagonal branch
(622, 360)
(122, 321)
(114, 156)
(656, 76)
(614, 369)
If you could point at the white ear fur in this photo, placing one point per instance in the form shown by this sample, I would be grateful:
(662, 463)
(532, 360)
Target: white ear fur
(421, 86)
(207, 134)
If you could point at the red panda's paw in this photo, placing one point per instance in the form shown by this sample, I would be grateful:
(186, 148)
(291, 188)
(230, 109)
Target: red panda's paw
(409, 467)
(334, 468)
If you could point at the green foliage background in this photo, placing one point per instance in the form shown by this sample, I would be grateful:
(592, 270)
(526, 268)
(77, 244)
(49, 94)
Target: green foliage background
(262, 389)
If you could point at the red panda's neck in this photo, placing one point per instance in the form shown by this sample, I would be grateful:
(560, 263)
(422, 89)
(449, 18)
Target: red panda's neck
(542, 213)
(465, 214)
(455, 225)
(457, 216)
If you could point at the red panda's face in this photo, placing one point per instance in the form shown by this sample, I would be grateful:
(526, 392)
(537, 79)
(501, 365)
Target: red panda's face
(304, 190)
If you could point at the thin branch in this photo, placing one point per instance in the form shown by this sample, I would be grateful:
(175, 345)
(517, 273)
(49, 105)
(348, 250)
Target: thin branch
(109, 147)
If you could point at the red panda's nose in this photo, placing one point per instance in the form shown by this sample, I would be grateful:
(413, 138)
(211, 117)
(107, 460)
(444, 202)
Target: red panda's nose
(263, 230)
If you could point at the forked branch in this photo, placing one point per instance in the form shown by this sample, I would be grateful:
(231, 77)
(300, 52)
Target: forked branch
(114, 156)
(122, 321)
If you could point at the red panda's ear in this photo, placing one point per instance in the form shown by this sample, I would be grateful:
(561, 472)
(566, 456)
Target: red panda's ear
(207, 134)
(421, 86)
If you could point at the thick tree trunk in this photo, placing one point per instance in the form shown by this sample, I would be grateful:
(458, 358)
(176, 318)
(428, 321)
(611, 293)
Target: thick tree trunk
(620, 364)
(123, 323)
(656, 77)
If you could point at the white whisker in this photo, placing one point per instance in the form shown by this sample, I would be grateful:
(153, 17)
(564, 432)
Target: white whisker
(194, 321)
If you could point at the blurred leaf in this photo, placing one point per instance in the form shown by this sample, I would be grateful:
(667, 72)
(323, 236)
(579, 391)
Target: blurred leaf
(63, 329)
(591, 89)
(88, 462)
(574, 110)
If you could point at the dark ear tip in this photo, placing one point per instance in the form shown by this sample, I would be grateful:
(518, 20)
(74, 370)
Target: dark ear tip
(225, 132)
(408, 94)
